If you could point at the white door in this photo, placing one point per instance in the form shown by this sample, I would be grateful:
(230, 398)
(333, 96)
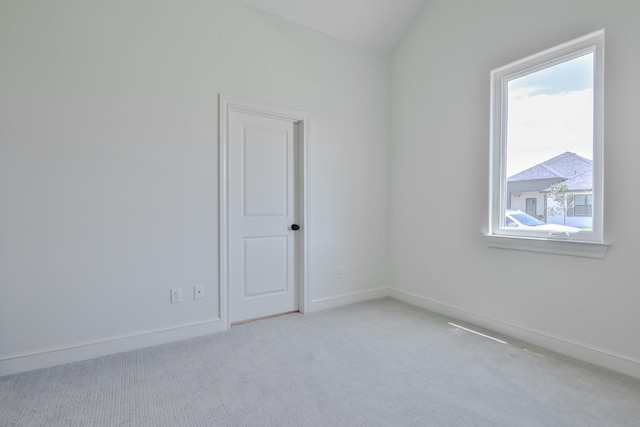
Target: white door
(262, 153)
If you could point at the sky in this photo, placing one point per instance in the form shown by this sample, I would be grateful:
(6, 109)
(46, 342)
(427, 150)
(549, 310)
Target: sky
(549, 112)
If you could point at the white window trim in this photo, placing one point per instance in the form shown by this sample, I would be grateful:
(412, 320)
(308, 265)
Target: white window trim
(590, 244)
(549, 246)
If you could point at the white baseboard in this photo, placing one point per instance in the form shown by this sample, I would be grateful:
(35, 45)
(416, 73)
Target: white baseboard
(345, 299)
(578, 351)
(13, 364)
(16, 363)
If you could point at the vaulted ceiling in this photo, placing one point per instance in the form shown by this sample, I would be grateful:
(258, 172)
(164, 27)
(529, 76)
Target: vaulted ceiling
(374, 24)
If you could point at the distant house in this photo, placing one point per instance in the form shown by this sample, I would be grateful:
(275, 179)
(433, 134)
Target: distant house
(528, 190)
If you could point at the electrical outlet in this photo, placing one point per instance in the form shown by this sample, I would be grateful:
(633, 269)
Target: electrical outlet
(198, 292)
(340, 273)
(176, 295)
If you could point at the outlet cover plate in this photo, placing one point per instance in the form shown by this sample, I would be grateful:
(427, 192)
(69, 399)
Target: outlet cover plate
(176, 295)
(198, 292)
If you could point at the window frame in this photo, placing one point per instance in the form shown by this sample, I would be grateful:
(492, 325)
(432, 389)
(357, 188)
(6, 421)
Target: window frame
(590, 243)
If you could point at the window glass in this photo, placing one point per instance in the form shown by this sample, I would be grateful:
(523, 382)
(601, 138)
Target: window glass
(550, 139)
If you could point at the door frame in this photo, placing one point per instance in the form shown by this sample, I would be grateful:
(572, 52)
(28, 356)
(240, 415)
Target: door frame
(228, 104)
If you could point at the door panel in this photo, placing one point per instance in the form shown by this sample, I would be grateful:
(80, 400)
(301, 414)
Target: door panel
(262, 207)
(265, 266)
(265, 167)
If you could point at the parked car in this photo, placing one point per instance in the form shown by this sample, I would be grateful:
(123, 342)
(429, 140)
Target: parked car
(521, 219)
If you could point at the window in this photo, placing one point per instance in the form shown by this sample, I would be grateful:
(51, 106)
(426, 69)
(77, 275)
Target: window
(547, 148)
(582, 205)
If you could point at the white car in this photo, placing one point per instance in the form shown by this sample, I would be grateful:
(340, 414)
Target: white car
(519, 219)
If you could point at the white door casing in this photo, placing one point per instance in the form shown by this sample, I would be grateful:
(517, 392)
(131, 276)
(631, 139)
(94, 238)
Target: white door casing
(263, 191)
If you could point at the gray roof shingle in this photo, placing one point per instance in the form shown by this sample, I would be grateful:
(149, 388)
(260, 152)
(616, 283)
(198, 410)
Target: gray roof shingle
(575, 169)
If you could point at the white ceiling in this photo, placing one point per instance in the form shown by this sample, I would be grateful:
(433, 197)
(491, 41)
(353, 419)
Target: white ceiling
(374, 24)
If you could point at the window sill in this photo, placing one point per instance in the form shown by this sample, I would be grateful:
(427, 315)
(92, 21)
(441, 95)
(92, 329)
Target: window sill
(559, 247)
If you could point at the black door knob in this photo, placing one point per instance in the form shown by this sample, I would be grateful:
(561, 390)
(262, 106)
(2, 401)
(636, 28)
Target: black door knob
(295, 227)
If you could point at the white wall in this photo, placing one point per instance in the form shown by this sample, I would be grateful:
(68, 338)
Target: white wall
(108, 165)
(108, 169)
(440, 147)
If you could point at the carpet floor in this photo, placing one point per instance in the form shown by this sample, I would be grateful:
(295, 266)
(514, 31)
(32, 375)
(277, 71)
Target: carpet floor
(377, 363)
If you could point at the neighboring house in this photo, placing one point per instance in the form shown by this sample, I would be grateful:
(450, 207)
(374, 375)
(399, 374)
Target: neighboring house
(528, 190)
